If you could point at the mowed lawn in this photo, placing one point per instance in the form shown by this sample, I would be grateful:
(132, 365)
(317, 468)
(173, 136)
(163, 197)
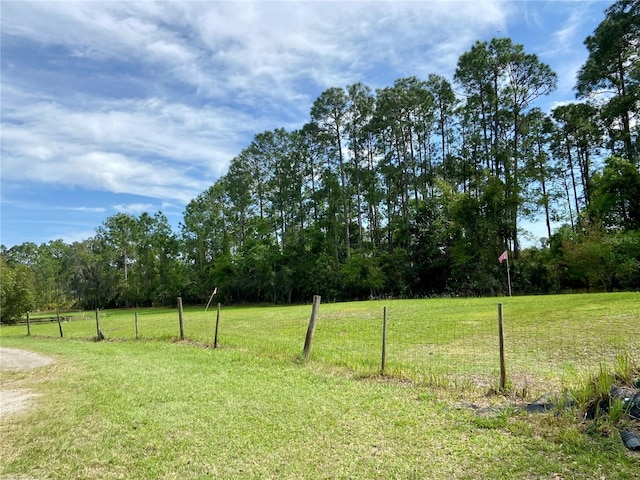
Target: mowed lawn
(159, 407)
(548, 339)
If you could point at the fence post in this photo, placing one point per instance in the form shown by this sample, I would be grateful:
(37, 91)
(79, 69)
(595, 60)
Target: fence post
(28, 325)
(312, 326)
(180, 318)
(503, 373)
(59, 324)
(136, 319)
(99, 335)
(384, 341)
(215, 338)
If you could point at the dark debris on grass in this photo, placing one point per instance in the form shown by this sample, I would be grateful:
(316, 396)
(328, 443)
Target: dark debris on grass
(630, 397)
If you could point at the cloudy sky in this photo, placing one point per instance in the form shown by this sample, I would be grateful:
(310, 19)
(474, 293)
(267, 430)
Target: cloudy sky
(111, 107)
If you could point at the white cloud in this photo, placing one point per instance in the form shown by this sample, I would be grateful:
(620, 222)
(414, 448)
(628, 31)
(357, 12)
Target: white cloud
(152, 126)
(254, 66)
(169, 206)
(561, 103)
(134, 208)
(71, 236)
(254, 48)
(28, 205)
(209, 75)
(566, 43)
(148, 147)
(89, 209)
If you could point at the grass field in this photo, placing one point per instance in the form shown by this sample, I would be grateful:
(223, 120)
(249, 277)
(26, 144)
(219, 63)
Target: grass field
(163, 408)
(548, 339)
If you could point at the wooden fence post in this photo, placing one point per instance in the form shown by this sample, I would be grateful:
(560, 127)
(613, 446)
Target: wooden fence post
(503, 373)
(215, 338)
(28, 325)
(312, 326)
(99, 335)
(136, 320)
(384, 341)
(59, 324)
(180, 317)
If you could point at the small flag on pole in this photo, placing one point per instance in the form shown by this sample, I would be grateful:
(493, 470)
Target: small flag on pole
(501, 259)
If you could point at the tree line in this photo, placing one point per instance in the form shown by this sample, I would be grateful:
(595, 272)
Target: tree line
(409, 190)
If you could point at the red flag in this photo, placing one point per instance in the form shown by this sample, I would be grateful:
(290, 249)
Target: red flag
(502, 257)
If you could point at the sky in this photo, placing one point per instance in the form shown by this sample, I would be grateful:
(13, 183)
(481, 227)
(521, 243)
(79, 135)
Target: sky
(132, 107)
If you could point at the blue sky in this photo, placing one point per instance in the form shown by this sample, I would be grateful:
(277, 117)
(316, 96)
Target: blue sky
(111, 107)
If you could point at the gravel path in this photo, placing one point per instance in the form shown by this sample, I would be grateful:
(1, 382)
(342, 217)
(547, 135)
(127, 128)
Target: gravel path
(12, 399)
(15, 359)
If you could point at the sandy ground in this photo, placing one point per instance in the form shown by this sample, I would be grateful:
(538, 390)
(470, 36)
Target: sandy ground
(12, 398)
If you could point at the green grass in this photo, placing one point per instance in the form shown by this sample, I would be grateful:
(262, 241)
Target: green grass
(161, 408)
(548, 339)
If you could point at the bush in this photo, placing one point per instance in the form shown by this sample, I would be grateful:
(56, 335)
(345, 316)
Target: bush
(16, 292)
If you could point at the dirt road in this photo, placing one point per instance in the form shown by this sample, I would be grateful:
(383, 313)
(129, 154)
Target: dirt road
(15, 359)
(14, 399)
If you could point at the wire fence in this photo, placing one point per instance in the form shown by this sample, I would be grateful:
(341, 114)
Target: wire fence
(453, 340)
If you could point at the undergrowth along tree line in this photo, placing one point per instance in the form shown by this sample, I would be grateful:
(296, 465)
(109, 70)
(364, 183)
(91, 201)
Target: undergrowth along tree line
(410, 190)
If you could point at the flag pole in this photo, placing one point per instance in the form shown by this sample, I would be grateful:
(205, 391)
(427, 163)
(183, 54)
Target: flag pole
(215, 290)
(508, 276)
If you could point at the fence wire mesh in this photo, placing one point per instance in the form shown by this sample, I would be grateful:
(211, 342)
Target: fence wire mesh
(441, 340)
